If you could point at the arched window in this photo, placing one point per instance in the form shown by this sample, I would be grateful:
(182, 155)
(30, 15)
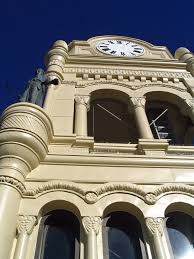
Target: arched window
(110, 122)
(167, 122)
(122, 237)
(180, 228)
(58, 236)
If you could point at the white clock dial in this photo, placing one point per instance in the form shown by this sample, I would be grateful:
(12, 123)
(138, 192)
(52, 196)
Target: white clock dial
(121, 48)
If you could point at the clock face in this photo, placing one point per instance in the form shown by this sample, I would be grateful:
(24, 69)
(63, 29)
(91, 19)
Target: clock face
(121, 48)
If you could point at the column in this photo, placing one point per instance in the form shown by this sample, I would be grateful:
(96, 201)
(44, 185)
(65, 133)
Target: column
(81, 109)
(24, 228)
(91, 226)
(155, 231)
(141, 117)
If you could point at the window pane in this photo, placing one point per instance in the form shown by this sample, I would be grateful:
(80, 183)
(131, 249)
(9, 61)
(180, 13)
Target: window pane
(59, 243)
(180, 229)
(58, 236)
(123, 235)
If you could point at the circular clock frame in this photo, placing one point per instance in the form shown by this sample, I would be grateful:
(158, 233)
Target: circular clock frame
(120, 48)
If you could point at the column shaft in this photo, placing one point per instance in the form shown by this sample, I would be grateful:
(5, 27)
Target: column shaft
(91, 245)
(81, 108)
(21, 247)
(9, 206)
(141, 118)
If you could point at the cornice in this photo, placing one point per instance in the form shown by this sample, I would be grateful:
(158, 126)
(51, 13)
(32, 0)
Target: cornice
(122, 160)
(127, 72)
(119, 61)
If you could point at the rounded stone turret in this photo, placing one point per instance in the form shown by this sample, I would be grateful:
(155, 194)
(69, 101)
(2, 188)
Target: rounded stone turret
(25, 132)
(55, 60)
(184, 55)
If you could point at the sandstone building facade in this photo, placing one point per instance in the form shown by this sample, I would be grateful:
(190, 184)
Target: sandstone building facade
(105, 168)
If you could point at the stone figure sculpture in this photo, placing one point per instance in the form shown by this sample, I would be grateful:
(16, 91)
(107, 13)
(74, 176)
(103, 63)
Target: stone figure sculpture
(36, 89)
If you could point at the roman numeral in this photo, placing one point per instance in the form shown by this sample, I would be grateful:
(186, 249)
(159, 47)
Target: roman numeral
(119, 41)
(113, 52)
(111, 42)
(106, 49)
(122, 53)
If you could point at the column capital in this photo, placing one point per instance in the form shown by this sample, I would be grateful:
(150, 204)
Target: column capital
(26, 224)
(155, 226)
(91, 223)
(138, 101)
(83, 99)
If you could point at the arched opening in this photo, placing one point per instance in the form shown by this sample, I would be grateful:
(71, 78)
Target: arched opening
(122, 237)
(180, 229)
(58, 236)
(110, 122)
(166, 120)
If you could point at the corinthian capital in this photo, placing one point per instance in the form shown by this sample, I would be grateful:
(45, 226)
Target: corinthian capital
(138, 101)
(83, 99)
(155, 225)
(91, 223)
(26, 224)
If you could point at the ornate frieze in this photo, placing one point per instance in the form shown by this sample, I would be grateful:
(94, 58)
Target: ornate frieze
(92, 196)
(154, 226)
(130, 85)
(126, 72)
(26, 224)
(91, 223)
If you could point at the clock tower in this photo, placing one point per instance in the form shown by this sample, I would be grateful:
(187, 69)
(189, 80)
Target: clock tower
(105, 169)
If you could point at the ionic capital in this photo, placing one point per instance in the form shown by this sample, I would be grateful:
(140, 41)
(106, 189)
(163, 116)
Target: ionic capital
(138, 101)
(155, 226)
(91, 223)
(26, 224)
(83, 99)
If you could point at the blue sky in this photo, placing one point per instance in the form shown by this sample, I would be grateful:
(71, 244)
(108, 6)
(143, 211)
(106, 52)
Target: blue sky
(28, 29)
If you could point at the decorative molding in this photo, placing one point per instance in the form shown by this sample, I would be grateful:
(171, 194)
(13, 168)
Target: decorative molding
(129, 85)
(91, 223)
(154, 226)
(56, 62)
(56, 186)
(26, 224)
(25, 122)
(138, 101)
(13, 182)
(92, 196)
(83, 99)
(126, 72)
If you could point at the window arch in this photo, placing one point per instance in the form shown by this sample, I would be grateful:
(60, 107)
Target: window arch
(180, 229)
(122, 237)
(109, 121)
(58, 236)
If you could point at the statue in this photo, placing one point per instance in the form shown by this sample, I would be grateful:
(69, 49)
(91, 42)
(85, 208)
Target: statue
(36, 89)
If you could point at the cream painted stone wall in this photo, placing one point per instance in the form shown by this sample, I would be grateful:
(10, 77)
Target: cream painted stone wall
(47, 162)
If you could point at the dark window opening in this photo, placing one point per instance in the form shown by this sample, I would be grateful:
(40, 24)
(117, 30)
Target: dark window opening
(167, 122)
(110, 122)
(122, 237)
(180, 228)
(58, 236)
